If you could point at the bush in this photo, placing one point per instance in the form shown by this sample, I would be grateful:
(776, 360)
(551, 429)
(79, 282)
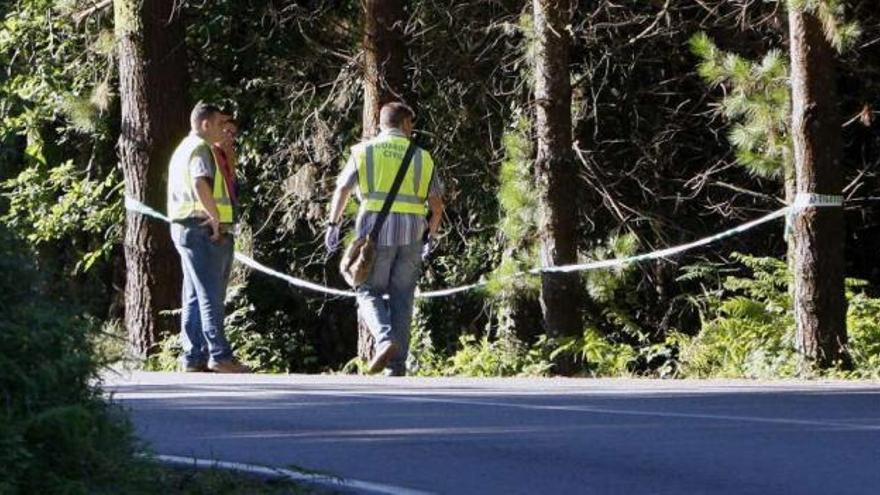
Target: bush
(748, 329)
(480, 357)
(863, 327)
(596, 355)
(57, 435)
(747, 332)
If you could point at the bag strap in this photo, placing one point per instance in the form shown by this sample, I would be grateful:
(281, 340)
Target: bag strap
(392, 194)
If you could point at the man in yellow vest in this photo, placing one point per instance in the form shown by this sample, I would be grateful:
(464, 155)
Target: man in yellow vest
(405, 239)
(203, 217)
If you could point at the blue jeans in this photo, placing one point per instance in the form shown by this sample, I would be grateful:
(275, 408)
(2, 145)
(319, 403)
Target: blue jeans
(395, 273)
(206, 266)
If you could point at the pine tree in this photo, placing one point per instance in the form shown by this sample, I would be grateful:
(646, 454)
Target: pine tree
(555, 170)
(819, 300)
(794, 134)
(152, 88)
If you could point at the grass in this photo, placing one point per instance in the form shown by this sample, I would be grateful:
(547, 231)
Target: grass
(148, 477)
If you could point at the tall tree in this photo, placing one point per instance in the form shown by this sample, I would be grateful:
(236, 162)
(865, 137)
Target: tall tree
(383, 59)
(819, 301)
(153, 84)
(555, 168)
(383, 80)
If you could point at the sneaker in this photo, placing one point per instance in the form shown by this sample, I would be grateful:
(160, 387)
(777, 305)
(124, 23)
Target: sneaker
(228, 366)
(195, 368)
(383, 354)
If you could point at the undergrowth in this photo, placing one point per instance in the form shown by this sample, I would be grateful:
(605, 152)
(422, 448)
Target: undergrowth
(747, 331)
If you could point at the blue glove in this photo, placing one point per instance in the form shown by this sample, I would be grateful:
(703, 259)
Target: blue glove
(331, 238)
(427, 247)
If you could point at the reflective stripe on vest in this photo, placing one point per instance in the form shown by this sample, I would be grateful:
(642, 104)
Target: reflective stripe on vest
(378, 162)
(182, 199)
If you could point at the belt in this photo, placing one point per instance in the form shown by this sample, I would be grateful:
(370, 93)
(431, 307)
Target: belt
(195, 220)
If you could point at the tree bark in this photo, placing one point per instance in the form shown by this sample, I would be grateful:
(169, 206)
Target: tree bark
(152, 87)
(383, 59)
(384, 81)
(555, 169)
(819, 301)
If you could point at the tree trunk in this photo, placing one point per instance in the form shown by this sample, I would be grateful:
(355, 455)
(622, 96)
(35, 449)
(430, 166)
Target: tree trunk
(152, 89)
(790, 191)
(819, 301)
(383, 59)
(383, 82)
(555, 168)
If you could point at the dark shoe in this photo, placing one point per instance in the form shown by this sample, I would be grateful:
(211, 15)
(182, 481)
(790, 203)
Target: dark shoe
(229, 366)
(195, 368)
(383, 355)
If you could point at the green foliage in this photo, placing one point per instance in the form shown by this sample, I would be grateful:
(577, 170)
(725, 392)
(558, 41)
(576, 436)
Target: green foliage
(842, 34)
(153, 479)
(283, 345)
(58, 173)
(55, 69)
(51, 204)
(756, 100)
(748, 329)
(604, 285)
(863, 330)
(596, 355)
(503, 357)
(167, 357)
(616, 307)
(484, 357)
(747, 332)
(757, 93)
(518, 205)
(56, 432)
(424, 359)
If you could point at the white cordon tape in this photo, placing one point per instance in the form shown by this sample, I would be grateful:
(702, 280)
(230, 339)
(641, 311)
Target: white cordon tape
(664, 253)
(138, 207)
(305, 284)
(806, 200)
(801, 201)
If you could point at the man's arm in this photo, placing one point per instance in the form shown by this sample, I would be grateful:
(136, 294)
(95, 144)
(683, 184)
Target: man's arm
(345, 184)
(340, 199)
(435, 202)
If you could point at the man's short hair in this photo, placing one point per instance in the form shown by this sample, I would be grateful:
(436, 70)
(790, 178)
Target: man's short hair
(232, 119)
(392, 115)
(202, 112)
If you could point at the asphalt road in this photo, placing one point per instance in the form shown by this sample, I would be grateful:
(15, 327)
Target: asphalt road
(462, 436)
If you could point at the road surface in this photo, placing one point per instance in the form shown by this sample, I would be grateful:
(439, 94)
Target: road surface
(535, 436)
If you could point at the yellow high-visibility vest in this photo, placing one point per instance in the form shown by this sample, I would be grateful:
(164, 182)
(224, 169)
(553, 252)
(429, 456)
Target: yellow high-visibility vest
(183, 201)
(378, 161)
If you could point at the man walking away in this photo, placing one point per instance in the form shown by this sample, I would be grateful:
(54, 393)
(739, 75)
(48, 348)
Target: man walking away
(405, 239)
(201, 209)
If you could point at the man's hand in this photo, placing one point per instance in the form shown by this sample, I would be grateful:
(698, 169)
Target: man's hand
(331, 238)
(215, 228)
(427, 248)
